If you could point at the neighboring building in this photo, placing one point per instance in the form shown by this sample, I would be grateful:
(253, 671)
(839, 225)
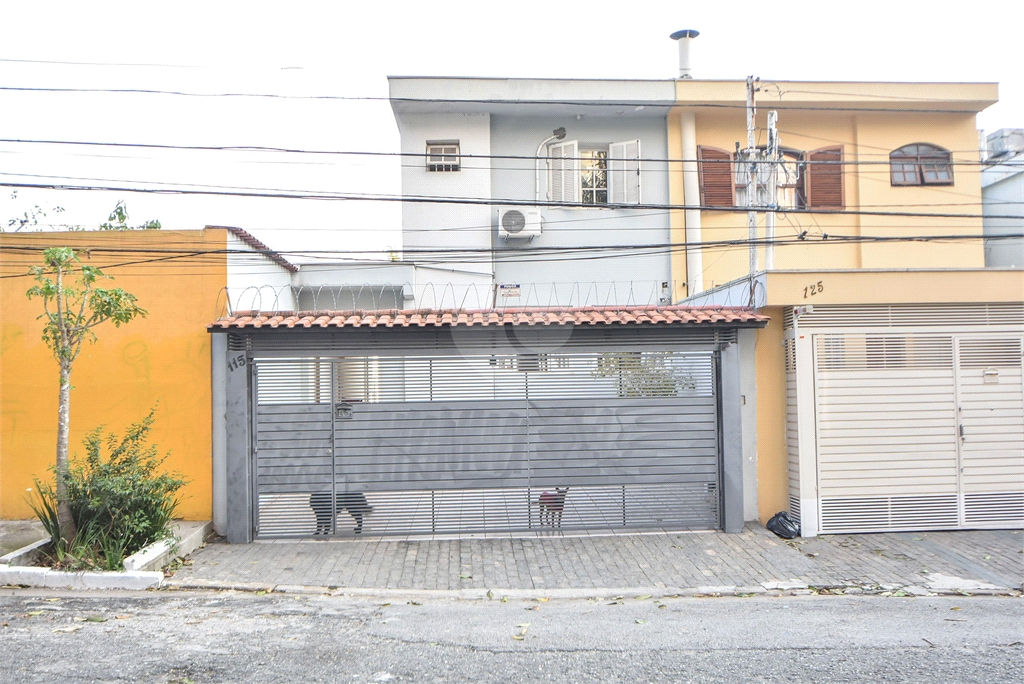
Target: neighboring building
(181, 278)
(1002, 193)
(889, 390)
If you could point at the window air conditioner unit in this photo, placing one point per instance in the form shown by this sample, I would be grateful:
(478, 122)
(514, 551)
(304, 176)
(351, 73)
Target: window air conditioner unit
(518, 222)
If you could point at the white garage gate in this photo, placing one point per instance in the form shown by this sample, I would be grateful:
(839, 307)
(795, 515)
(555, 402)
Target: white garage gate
(914, 426)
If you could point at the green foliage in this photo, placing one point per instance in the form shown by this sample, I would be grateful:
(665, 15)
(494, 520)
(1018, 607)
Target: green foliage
(118, 220)
(72, 305)
(30, 218)
(643, 374)
(120, 502)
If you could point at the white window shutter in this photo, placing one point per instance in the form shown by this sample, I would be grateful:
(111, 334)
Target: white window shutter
(564, 175)
(624, 172)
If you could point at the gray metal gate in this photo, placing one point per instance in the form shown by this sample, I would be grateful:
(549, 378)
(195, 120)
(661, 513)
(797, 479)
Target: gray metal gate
(486, 443)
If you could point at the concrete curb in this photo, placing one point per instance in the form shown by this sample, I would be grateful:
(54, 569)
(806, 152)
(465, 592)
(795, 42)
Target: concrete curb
(632, 593)
(156, 556)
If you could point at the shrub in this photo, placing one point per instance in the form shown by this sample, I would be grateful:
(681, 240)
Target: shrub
(119, 504)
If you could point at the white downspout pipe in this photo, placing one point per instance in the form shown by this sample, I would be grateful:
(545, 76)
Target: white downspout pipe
(691, 198)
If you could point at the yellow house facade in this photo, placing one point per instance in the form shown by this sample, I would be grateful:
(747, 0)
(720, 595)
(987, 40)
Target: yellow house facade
(161, 360)
(858, 427)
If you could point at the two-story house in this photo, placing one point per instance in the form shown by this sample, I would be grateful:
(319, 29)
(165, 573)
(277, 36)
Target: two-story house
(887, 392)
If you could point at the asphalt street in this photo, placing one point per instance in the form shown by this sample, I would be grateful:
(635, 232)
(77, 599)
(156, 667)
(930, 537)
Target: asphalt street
(201, 637)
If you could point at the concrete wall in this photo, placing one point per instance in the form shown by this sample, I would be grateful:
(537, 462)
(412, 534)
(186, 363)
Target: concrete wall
(255, 282)
(866, 138)
(446, 225)
(163, 358)
(1004, 198)
(619, 276)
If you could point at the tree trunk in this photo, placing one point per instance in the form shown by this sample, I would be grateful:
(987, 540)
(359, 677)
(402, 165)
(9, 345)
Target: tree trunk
(67, 523)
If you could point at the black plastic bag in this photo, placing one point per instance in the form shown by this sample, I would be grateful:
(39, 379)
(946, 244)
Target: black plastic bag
(784, 526)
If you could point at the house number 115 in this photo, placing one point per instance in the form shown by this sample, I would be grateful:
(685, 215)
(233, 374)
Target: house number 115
(814, 289)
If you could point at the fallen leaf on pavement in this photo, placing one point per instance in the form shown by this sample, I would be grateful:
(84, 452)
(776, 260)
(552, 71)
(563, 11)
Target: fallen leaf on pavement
(95, 618)
(517, 638)
(641, 598)
(33, 613)
(490, 594)
(955, 608)
(640, 622)
(121, 617)
(543, 600)
(67, 630)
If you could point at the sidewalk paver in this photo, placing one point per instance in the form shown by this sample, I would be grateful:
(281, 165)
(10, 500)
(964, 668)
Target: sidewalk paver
(753, 558)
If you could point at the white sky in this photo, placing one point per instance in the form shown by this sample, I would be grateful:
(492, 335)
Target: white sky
(341, 49)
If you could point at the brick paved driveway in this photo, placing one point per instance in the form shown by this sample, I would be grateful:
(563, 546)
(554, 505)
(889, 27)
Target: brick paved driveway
(754, 558)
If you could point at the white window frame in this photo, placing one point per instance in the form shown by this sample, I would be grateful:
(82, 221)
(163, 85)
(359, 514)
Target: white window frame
(565, 178)
(443, 156)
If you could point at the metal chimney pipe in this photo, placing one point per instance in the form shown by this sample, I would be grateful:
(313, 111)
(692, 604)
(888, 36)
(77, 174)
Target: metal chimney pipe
(684, 37)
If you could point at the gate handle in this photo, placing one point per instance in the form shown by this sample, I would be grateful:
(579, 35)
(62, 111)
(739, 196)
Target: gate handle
(961, 431)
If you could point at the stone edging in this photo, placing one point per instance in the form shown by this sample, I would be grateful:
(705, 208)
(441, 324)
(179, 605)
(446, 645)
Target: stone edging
(142, 569)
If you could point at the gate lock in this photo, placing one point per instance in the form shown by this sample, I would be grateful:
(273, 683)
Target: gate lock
(343, 411)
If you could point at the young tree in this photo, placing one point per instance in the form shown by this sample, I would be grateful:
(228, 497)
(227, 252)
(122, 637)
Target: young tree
(73, 306)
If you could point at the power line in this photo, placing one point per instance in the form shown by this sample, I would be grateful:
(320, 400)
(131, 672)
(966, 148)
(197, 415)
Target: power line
(428, 199)
(667, 104)
(365, 153)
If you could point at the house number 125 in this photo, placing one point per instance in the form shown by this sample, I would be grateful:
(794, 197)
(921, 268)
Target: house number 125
(814, 289)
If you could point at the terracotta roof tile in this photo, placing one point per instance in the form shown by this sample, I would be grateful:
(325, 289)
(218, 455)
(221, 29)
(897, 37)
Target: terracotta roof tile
(640, 315)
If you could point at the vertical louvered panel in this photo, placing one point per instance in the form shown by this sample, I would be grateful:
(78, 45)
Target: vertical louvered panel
(991, 394)
(824, 178)
(885, 431)
(792, 432)
(624, 172)
(716, 177)
(564, 174)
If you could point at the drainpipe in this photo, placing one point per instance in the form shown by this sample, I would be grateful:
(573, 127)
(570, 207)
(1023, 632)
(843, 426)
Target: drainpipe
(691, 179)
(691, 198)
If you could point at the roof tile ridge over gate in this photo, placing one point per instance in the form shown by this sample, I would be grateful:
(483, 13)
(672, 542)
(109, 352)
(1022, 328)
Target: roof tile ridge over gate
(406, 318)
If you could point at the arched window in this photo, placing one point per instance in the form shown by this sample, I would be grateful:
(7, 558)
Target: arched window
(920, 164)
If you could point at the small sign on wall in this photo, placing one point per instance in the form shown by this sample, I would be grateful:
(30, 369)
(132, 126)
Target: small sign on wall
(509, 290)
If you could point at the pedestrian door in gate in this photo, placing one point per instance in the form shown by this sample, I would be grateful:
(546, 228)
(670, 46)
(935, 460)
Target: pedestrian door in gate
(919, 431)
(486, 443)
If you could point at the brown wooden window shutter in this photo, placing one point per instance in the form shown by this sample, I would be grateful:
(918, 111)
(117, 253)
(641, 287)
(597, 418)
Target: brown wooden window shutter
(716, 178)
(825, 178)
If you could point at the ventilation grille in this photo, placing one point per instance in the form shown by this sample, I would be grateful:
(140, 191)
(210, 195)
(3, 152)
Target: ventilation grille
(992, 352)
(1006, 507)
(794, 508)
(889, 513)
(876, 352)
(790, 356)
(239, 342)
(898, 316)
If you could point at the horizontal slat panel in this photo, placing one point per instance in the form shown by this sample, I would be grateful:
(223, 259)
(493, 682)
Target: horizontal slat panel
(429, 445)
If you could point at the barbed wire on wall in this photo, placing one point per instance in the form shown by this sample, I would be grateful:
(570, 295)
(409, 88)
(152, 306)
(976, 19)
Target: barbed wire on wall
(455, 296)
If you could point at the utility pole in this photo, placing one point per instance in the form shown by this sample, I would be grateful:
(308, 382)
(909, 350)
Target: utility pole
(773, 195)
(752, 180)
(751, 162)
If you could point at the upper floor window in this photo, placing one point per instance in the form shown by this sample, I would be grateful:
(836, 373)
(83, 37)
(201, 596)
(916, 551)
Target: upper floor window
(598, 175)
(443, 155)
(920, 164)
(805, 179)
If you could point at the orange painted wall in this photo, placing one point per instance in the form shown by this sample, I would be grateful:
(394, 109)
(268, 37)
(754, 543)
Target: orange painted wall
(164, 357)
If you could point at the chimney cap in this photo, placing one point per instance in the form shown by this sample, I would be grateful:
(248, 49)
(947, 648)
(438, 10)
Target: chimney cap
(685, 33)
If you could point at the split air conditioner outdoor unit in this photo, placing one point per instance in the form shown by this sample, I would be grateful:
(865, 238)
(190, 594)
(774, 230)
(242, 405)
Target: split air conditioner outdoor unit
(518, 222)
